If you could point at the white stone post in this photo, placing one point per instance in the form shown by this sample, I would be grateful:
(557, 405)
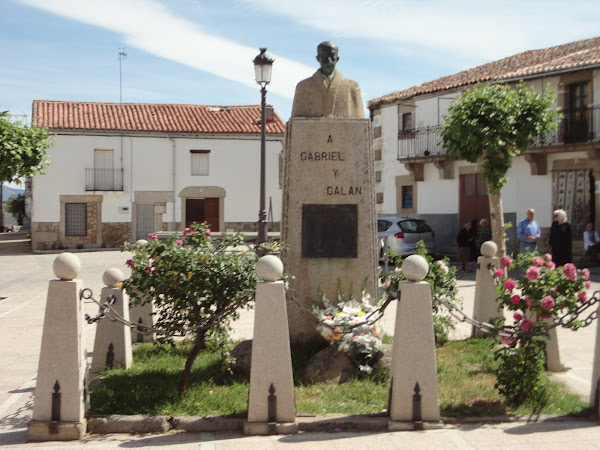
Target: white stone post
(595, 389)
(485, 305)
(271, 404)
(142, 314)
(552, 353)
(414, 399)
(59, 405)
(112, 345)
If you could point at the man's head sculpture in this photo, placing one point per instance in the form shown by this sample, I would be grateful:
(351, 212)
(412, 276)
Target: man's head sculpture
(327, 55)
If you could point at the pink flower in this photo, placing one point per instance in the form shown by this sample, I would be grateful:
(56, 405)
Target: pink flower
(188, 231)
(505, 261)
(582, 296)
(179, 242)
(499, 273)
(548, 257)
(585, 273)
(208, 233)
(517, 316)
(527, 325)
(550, 265)
(530, 303)
(149, 270)
(553, 290)
(588, 284)
(130, 262)
(533, 273)
(509, 284)
(538, 261)
(152, 236)
(570, 271)
(547, 302)
(515, 299)
(507, 340)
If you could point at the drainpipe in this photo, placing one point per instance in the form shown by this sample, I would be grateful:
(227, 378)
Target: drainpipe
(174, 180)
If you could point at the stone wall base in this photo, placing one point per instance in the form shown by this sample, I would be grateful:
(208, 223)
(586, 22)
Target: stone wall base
(40, 431)
(249, 226)
(267, 429)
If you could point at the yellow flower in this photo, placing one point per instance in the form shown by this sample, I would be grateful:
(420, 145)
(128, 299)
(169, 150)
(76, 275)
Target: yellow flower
(361, 313)
(190, 274)
(120, 285)
(339, 314)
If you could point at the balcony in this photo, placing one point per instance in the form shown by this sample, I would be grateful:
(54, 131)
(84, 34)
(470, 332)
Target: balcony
(575, 127)
(103, 179)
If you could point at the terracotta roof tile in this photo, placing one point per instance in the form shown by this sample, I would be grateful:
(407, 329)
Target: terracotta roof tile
(574, 56)
(152, 117)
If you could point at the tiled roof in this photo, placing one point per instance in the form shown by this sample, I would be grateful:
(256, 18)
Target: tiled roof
(151, 117)
(574, 56)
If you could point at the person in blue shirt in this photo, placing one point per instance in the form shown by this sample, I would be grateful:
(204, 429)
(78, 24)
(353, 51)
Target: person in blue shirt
(528, 232)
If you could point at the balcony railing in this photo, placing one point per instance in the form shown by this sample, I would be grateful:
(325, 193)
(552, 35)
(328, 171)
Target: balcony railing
(574, 127)
(103, 179)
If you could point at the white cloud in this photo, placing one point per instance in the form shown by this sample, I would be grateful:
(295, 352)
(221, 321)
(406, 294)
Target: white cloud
(150, 26)
(468, 28)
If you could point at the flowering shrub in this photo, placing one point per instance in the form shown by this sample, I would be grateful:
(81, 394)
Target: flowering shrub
(361, 342)
(442, 283)
(543, 291)
(192, 280)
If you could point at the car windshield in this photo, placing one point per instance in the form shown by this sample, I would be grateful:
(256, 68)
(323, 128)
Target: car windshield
(414, 226)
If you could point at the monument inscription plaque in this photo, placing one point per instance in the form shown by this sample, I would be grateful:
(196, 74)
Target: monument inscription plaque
(329, 231)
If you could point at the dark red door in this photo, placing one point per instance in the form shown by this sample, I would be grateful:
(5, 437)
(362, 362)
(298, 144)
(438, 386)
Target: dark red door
(202, 210)
(473, 199)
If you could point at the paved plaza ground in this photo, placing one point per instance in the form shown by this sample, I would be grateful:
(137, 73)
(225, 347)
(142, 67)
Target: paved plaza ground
(24, 283)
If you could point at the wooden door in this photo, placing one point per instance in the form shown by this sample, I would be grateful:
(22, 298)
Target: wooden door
(144, 220)
(202, 210)
(473, 199)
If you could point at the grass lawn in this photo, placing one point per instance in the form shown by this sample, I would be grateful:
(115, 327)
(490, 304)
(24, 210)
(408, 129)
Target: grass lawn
(465, 380)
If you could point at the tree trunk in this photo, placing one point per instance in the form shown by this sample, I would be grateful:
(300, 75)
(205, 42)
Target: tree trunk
(199, 344)
(497, 220)
(1, 210)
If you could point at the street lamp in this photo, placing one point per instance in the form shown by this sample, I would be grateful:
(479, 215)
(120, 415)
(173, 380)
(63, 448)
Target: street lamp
(263, 64)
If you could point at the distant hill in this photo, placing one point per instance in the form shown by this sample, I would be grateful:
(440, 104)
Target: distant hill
(8, 192)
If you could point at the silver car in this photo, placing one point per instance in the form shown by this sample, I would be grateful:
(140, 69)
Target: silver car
(402, 235)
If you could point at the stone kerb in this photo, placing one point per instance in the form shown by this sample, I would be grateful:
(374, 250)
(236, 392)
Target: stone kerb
(59, 401)
(485, 305)
(328, 214)
(271, 404)
(414, 391)
(112, 345)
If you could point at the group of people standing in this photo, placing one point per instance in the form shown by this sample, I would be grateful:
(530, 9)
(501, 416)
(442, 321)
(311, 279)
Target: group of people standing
(560, 242)
(469, 241)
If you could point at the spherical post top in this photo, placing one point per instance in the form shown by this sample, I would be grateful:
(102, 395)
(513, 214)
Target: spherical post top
(141, 241)
(489, 249)
(112, 277)
(415, 268)
(269, 268)
(66, 266)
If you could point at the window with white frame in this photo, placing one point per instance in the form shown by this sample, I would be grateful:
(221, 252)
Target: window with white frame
(199, 161)
(75, 219)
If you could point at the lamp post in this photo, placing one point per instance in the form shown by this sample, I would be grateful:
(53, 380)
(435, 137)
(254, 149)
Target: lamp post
(262, 67)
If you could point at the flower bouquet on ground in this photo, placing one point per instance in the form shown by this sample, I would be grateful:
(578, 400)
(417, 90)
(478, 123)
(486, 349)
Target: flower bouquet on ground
(542, 292)
(347, 325)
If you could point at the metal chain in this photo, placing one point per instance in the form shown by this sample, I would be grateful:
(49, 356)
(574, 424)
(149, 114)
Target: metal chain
(140, 328)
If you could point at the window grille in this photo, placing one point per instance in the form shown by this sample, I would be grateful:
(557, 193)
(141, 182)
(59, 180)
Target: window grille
(75, 219)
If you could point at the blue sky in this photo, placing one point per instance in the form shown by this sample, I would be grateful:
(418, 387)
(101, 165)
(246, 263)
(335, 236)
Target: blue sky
(201, 51)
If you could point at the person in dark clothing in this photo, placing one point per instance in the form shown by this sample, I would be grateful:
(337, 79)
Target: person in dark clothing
(561, 239)
(464, 241)
(484, 234)
(473, 240)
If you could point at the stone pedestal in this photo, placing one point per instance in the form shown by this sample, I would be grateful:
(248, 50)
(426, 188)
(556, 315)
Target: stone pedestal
(414, 389)
(142, 314)
(553, 363)
(60, 394)
(328, 219)
(595, 388)
(112, 345)
(271, 397)
(485, 306)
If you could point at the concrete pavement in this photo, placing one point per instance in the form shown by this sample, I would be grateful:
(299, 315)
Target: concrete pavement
(24, 282)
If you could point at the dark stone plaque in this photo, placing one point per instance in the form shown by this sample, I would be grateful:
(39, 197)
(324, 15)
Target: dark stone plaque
(330, 231)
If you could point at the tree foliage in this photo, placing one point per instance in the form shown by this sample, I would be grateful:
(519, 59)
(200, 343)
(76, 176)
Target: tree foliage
(22, 149)
(16, 206)
(193, 281)
(490, 125)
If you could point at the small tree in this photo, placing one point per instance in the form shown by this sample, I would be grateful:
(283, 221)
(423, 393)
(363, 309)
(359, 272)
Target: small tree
(193, 281)
(16, 206)
(489, 126)
(22, 151)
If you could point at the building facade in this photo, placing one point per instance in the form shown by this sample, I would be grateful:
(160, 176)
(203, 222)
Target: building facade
(415, 177)
(121, 171)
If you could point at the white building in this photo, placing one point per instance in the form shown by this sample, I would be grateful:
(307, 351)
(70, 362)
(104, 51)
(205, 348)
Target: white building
(121, 171)
(415, 177)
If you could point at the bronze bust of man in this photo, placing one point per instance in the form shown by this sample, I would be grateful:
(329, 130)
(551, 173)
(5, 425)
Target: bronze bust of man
(327, 93)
